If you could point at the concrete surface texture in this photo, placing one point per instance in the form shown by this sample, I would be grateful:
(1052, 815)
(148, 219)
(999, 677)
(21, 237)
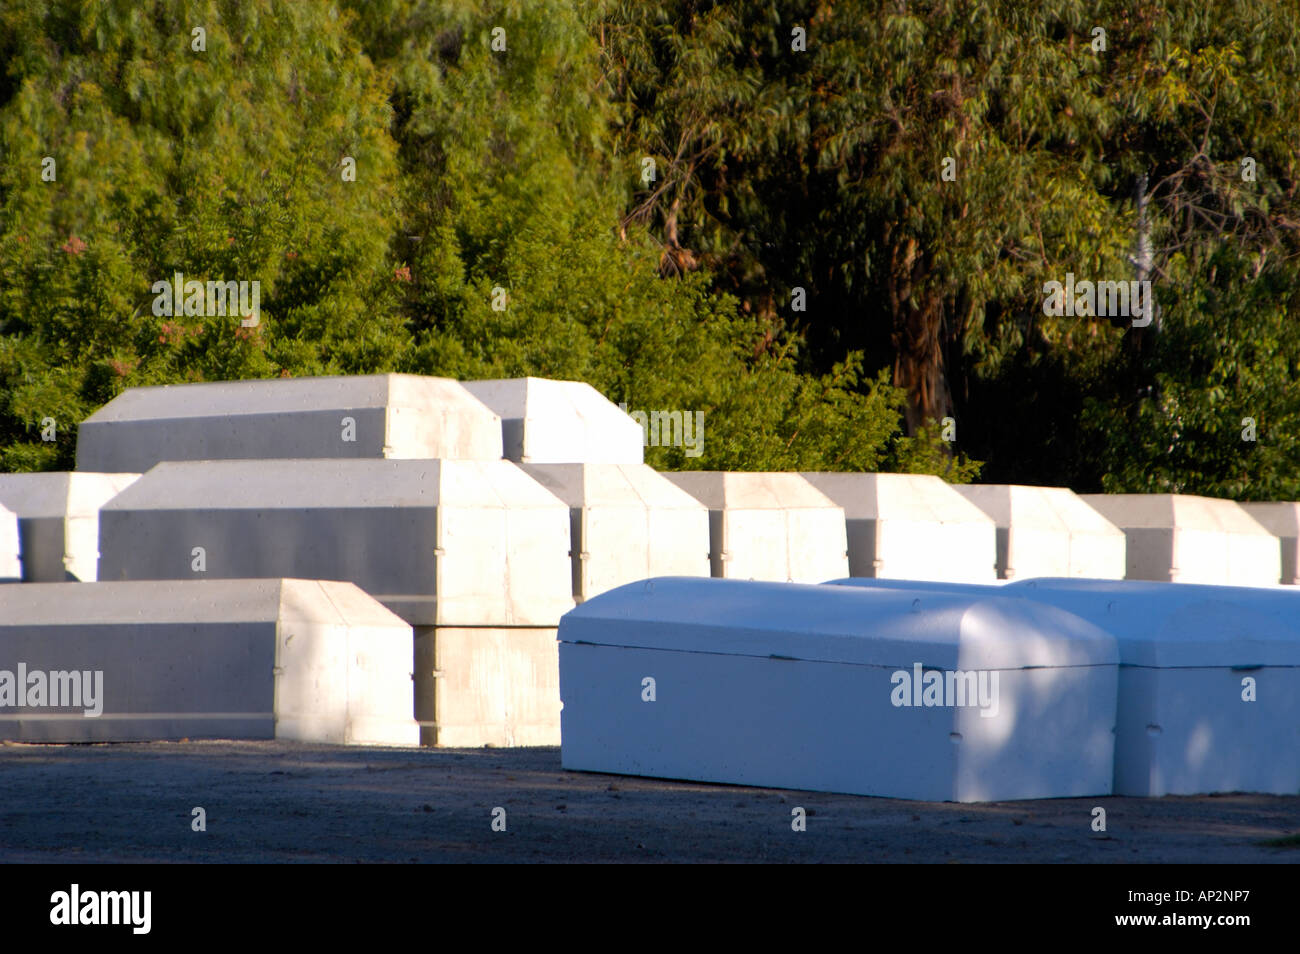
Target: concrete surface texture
(627, 523)
(11, 567)
(487, 685)
(234, 659)
(1048, 531)
(905, 694)
(1209, 679)
(768, 526)
(398, 416)
(439, 542)
(560, 422)
(911, 526)
(58, 521)
(1283, 521)
(1179, 538)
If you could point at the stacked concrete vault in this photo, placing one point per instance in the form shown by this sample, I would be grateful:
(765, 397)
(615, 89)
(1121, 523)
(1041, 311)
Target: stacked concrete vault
(1048, 531)
(560, 422)
(473, 554)
(1281, 519)
(1179, 538)
(398, 416)
(228, 659)
(626, 523)
(910, 527)
(430, 521)
(58, 521)
(768, 526)
(391, 558)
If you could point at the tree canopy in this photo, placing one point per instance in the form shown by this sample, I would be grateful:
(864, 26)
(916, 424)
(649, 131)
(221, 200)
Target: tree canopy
(827, 225)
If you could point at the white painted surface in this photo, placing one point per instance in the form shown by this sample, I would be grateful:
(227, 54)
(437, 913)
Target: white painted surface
(1184, 727)
(627, 523)
(396, 416)
(791, 686)
(560, 422)
(1048, 531)
(447, 542)
(911, 527)
(768, 526)
(1182, 724)
(1179, 538)
(234, 659)
(58, 521)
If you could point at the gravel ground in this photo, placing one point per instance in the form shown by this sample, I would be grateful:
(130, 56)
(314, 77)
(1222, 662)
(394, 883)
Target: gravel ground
(286, 802)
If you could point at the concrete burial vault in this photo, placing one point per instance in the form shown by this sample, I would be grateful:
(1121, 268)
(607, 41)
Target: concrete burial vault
(911, 526)
(1209, 687)
(1048, 531)
(626, 523)
(230, 659)
(474, 554)
(440, 542)
(905, 694)
(11, 567)
(58, 522)
(396, 416)
(768, 526)
(560, 422)
(1283, 521)
(1178, 538)
(1209, 679)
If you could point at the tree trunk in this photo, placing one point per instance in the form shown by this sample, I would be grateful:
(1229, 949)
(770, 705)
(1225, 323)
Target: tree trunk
(917, 338)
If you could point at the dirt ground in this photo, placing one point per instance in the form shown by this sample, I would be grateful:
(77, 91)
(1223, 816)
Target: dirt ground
(285, 802)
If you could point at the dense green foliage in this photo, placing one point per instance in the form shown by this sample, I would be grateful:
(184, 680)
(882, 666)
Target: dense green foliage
(219, 164)
(782, 177)
(823, 170)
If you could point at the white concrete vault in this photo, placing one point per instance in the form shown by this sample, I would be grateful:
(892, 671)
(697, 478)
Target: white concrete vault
(1209, 678)
(627, 523)
(1282, 519)
(1048, 531)
(308, 660)
(58, 521)
(473, 554)
(1182, 538)
(768, 526)
(440, 542)
(387, 416)
(560, 422)
(771, 684)
(911, 526)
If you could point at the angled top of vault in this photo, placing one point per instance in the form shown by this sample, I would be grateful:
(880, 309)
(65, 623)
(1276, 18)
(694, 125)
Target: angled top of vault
(399, 416)
(560, 422)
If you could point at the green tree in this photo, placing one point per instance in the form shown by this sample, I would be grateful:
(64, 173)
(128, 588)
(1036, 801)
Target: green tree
(823, 169)
(220, 163)
(520, 263)
(485, 171)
